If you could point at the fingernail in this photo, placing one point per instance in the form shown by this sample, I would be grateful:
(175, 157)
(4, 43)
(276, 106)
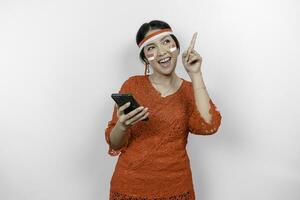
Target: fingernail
(128, 103)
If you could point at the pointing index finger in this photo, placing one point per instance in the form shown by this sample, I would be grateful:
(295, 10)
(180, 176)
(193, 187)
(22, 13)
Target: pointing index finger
(192, 44)
(193, 41)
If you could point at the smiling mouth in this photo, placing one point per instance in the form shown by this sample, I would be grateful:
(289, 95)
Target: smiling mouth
(165, 62)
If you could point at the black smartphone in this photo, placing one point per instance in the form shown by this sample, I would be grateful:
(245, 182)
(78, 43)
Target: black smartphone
(122, 99)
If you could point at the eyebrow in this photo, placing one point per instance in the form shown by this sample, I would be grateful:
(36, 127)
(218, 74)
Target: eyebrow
(160, 40)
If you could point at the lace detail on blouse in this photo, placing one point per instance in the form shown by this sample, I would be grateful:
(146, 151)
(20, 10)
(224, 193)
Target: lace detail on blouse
(196, 123)
(119, 196)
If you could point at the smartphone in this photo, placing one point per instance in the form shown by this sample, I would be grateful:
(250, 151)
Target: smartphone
(122, 99)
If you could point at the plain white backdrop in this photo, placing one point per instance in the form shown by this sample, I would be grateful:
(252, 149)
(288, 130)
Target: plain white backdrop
(61, 60)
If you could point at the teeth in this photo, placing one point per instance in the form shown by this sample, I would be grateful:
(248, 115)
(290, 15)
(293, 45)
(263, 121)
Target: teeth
(164, 60)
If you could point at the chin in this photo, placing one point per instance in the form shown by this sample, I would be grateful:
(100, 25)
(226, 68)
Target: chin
(168, 70)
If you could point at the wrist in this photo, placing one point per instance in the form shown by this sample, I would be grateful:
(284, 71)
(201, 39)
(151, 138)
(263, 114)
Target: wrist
(195, 75)
(200, 88)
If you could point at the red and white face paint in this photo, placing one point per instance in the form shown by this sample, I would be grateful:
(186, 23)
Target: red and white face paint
(173, 48)
(150, 56)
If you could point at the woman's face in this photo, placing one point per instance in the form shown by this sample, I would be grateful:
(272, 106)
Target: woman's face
(162, 54)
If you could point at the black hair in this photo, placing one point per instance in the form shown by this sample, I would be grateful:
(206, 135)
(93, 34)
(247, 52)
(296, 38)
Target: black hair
(152, 25)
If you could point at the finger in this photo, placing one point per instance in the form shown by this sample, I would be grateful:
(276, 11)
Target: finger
(192, 45)
(194, 52)
(187, 59)
(133, 112)
(144, 117)
(139, 115)
(193, 61)
(136, 117)
(124, 106)
(117, 109)
(198, 56)
(184, 56)
(193, 57)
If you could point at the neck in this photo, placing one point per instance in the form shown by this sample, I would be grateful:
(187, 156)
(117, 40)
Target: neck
(163, 79)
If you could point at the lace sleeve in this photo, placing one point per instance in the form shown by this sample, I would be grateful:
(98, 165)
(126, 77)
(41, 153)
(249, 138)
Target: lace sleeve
(110, 125)
(197, 125)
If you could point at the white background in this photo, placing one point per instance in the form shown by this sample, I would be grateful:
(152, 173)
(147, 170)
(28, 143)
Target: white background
(61, 60)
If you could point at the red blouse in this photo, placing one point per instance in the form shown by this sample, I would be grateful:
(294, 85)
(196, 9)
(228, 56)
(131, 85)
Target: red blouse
(154, 163)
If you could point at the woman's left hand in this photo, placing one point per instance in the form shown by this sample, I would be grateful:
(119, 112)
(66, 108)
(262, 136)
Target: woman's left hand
(191, 59)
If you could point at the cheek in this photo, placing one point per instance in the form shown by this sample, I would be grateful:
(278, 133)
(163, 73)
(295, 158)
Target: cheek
(150, 56)
(175, 54)
(173, 48)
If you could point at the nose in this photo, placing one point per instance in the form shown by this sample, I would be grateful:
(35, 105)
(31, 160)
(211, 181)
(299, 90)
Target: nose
(161, 51)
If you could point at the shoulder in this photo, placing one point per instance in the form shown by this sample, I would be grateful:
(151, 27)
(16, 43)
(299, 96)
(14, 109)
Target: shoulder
(188, 89)
(131, 82)
(136, 77)
(133, 79)
(188, 85)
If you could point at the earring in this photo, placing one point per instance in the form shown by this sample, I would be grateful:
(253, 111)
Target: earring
(147, 70)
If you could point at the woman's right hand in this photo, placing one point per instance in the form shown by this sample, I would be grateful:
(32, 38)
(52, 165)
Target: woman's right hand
(136, 115)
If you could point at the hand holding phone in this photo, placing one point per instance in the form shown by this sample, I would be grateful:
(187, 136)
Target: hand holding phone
(129, 114)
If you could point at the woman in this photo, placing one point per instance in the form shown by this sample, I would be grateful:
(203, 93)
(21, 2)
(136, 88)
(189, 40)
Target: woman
(153, 161)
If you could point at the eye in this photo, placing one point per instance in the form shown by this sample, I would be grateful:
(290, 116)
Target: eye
(166, 41)
(149, 48)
